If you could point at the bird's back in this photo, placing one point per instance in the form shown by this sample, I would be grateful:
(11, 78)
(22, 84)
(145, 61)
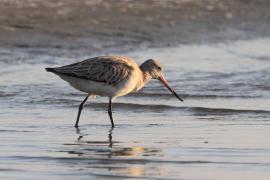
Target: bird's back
(105, 71)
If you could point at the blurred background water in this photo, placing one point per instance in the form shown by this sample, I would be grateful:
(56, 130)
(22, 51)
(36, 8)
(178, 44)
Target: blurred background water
(220, 131)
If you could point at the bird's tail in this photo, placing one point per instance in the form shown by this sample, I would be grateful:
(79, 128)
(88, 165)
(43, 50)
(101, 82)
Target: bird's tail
(50, 69)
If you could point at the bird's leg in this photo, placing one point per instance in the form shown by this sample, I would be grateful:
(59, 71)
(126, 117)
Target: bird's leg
(80, 110)
(110, 137)
(110, 112)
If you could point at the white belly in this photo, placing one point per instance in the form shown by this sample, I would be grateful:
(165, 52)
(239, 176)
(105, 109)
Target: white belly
(99, 88)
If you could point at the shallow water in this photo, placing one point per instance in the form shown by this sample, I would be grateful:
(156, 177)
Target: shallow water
(221, 131)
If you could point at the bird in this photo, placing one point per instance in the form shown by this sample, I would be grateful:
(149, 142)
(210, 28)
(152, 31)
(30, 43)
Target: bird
(110, 76)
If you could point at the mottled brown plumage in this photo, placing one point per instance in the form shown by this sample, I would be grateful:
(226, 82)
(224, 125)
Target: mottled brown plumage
(106, 69)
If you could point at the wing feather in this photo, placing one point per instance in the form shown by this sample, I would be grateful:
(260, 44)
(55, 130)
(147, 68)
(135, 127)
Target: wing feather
(100, 69)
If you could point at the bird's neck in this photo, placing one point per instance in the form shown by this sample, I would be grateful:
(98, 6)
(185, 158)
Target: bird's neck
(144, 79)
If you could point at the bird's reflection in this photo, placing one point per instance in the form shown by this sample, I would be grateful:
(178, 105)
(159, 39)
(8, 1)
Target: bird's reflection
(110, 137)
(78, 131)
(81, 135)
(110, 154)
(106, 148)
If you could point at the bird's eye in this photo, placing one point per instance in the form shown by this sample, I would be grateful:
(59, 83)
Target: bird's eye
(159, 68)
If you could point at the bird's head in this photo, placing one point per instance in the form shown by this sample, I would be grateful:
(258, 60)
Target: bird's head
(154, 69)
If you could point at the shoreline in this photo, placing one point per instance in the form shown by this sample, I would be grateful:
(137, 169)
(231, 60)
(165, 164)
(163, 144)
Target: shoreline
(129, 25)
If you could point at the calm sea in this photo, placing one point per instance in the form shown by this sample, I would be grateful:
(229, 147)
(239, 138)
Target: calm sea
(221, 130)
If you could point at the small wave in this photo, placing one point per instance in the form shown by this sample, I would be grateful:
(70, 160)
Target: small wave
(7, 169)
(74, 103)
(7, 94)
(182, 109)
(208, 96)
(227, 111)
(169, 107)
(125, 160)
(12, 131)
(257, 57)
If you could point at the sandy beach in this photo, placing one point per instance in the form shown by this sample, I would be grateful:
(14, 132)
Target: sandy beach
(103, 24)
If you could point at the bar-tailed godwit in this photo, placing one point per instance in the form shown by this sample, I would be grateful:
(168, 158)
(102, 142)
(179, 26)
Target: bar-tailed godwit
(110, 76)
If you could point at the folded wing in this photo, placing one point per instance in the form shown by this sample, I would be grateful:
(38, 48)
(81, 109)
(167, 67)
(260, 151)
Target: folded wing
(99, 69)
